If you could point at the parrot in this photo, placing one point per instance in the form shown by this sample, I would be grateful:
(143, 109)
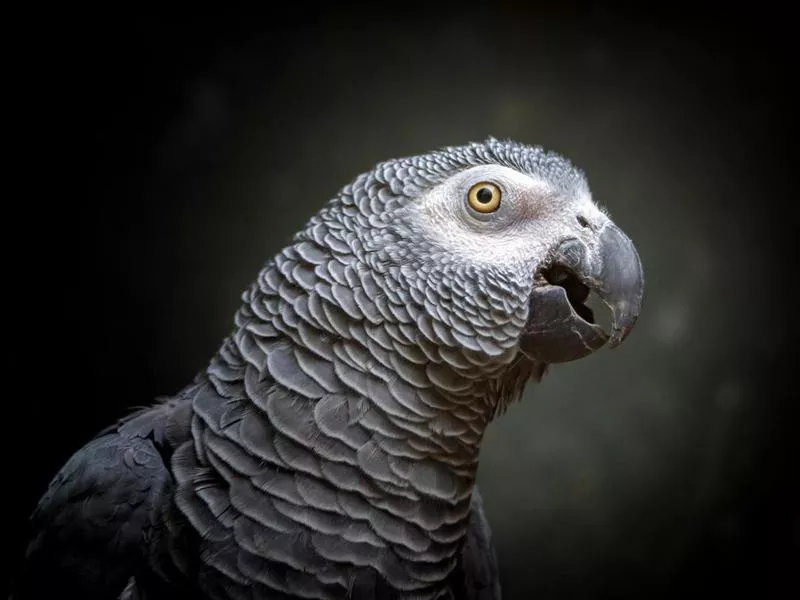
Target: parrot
(329, 449)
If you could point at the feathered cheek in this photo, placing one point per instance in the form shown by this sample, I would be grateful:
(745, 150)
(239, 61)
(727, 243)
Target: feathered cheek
(494, 332)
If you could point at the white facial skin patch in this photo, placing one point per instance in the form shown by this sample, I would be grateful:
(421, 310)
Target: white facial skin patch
(531, 217)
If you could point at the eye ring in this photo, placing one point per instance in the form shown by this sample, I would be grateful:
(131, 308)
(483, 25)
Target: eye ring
(484, 197)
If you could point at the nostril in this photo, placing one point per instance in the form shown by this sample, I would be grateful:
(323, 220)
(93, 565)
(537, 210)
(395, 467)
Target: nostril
(582, 221)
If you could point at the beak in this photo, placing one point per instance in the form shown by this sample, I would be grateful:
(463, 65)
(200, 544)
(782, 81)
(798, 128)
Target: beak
(560, 328)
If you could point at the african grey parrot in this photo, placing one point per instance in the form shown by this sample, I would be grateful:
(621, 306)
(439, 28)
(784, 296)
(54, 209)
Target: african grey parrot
(330, 447)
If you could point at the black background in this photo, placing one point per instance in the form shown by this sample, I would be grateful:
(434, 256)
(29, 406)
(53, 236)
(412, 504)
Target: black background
(165, 157)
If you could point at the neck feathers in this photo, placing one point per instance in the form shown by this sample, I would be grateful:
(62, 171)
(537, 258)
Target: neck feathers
(341, 423)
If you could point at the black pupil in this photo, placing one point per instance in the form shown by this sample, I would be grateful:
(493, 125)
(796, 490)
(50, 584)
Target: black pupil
(484, 195)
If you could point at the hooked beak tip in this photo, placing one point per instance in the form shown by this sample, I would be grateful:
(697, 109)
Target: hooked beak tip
(618, 336)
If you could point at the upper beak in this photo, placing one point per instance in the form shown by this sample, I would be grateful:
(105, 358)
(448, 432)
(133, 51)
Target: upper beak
(555, 332)
(614, 273)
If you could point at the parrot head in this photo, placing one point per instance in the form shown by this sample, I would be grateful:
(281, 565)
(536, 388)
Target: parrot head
(502, 244)
(483, 256)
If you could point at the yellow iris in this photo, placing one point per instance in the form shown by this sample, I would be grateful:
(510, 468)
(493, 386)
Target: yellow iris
(484, 197)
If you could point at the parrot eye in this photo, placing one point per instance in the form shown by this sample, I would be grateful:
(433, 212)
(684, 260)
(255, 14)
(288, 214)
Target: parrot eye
(484, 197)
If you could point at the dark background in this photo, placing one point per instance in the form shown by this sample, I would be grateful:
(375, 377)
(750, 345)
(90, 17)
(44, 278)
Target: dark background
(172, 154)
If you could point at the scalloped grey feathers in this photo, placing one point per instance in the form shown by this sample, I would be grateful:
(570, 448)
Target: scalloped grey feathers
(330, 448)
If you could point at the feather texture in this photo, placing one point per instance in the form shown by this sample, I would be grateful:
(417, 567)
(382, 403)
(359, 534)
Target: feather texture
(329, 449)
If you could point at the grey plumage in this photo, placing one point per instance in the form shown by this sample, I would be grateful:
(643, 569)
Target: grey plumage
(330, 448)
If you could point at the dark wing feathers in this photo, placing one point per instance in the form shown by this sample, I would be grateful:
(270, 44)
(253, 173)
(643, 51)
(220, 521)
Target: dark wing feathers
(89, 528)
(93, 528)
(477, 577)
